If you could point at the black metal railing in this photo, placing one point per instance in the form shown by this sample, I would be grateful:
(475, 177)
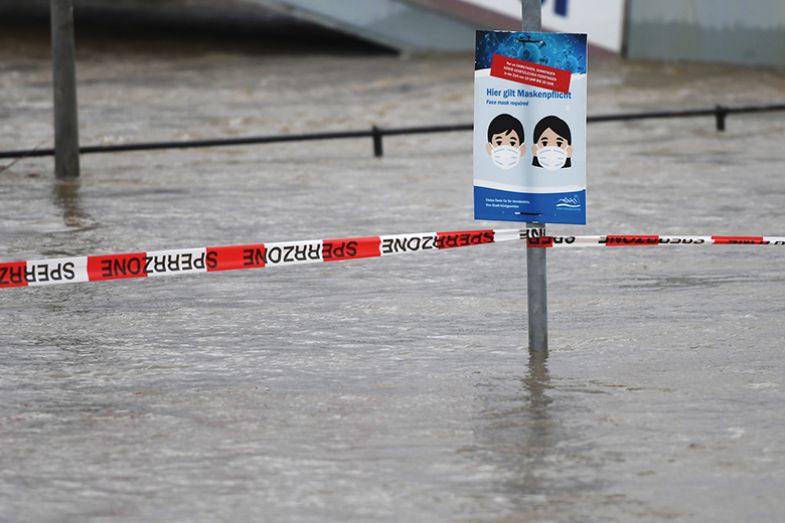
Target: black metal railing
(377, 134)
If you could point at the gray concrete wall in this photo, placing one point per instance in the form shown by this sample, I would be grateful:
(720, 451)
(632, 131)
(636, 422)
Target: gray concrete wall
(398, 24)
(734, 31)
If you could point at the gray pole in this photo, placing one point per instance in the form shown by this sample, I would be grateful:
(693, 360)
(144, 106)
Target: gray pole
(532, 15)
(536, 281)
(64, 76)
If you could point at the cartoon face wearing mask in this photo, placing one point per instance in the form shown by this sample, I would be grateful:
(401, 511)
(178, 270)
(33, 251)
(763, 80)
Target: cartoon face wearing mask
(505, 141)
(552, 149)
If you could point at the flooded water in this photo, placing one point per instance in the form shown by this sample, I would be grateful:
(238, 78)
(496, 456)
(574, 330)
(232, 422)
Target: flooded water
(395, 389)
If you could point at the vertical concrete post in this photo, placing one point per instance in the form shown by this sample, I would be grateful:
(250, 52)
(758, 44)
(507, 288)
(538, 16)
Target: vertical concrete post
(64, 76)
(536, 280)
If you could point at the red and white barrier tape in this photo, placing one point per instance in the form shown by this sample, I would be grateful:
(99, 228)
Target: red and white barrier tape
(212, 259)
(612, 240)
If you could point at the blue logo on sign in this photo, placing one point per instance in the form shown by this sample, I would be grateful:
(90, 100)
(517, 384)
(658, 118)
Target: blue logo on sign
(569, 202)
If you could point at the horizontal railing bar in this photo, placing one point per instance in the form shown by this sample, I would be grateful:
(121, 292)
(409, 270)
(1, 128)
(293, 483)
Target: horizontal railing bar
(718, 111)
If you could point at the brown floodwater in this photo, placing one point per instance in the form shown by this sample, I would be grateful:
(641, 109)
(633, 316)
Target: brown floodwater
(395, 389)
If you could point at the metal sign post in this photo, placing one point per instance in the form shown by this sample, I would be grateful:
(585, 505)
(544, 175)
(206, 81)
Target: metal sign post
(64, 76)
(536, 281)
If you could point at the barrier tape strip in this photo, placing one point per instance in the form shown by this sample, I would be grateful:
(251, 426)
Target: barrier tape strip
(250, 256)
(612, 240)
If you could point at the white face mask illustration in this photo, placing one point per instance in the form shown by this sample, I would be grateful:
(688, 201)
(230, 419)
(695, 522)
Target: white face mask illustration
(506, 156)
(552, 158)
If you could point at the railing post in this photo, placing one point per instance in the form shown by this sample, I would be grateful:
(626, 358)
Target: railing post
(720, 113)
(536, 278)
(378, 149)
(64, 80)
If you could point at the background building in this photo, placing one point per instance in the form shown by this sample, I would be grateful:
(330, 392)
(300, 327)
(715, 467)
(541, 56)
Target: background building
(692, 30)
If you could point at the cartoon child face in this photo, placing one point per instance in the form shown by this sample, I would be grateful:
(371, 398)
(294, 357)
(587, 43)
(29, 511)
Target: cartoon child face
(505, 141)
(505, 149)
(552, 150)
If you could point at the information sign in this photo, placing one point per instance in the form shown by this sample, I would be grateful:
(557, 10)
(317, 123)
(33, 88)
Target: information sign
(530, 127)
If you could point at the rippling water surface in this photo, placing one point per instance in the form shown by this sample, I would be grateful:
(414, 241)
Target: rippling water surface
(395, 389)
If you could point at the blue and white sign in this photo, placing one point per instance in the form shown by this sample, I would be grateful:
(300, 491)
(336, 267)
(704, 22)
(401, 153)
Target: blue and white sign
(530, 127)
